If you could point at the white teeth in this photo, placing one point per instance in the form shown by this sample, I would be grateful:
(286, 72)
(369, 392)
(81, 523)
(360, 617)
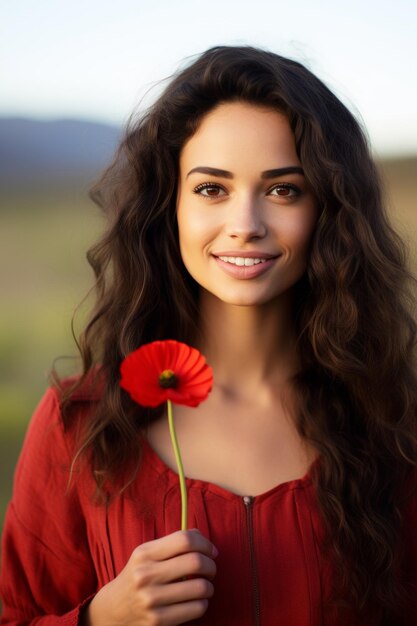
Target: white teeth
(240, 260)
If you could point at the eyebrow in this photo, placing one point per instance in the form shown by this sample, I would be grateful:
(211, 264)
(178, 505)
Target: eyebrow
(280, 171)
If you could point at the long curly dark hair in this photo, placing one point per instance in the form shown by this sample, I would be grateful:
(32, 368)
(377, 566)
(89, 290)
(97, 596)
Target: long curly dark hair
(357, 385)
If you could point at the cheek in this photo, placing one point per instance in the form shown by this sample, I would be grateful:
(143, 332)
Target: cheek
(297, 237)
(303, 236)
(195, 228)
(301, 230)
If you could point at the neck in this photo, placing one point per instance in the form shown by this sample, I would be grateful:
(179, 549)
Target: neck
(250, 348)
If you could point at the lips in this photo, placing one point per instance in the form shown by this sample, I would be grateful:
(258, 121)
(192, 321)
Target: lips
(237, 264)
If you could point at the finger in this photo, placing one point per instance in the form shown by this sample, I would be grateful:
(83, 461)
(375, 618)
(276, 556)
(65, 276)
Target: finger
(175, 614)
(180, 568)
(180, 542)
(163, 595)
(185, 565)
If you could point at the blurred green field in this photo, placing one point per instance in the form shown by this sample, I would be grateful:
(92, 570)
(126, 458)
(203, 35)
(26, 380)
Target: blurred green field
(44, 236)
(44, 275)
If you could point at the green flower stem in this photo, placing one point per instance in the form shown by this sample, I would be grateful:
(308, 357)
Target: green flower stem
(180, 467)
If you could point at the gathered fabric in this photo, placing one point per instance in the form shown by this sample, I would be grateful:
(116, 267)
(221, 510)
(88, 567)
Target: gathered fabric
(59, 547)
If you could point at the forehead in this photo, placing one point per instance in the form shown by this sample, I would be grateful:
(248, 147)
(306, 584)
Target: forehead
(241, 132)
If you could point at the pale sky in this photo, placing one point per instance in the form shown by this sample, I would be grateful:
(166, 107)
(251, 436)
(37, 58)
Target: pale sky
(95, 59)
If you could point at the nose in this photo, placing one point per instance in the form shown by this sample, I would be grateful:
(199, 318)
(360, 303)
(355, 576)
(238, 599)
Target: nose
(245, 220)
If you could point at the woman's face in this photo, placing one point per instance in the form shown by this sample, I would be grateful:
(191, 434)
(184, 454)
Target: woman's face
(246, 213)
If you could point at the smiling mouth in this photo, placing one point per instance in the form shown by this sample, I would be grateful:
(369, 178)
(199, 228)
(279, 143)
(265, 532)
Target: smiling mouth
(241, 261)
(245, 267)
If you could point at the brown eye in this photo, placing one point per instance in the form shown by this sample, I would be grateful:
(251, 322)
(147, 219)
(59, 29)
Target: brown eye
(209, 190)
(285, 190)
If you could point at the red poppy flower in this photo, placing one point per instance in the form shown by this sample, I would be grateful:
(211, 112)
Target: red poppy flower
(166, 370)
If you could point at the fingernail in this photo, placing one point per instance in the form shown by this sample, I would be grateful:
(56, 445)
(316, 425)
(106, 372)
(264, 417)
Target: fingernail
(215, 551)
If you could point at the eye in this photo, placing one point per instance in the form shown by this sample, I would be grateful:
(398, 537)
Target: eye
(284, 190)
(209, 190)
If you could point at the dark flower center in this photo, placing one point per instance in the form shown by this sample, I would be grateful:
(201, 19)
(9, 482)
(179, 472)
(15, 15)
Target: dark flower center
(168, 379)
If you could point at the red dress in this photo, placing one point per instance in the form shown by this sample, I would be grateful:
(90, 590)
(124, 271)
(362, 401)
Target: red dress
(59, 548)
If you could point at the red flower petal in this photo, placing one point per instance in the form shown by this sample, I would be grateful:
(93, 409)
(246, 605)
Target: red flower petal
(141, 369)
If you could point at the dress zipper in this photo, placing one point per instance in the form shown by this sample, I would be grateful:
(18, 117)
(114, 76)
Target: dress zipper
(248, 502)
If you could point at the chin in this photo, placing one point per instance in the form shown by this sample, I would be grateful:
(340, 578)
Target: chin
(244, 300)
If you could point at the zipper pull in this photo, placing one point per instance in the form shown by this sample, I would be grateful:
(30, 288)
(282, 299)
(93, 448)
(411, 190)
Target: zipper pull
(248, 500)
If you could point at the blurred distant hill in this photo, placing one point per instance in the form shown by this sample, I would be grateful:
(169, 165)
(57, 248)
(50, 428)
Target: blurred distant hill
(72, 152)
(33, 151)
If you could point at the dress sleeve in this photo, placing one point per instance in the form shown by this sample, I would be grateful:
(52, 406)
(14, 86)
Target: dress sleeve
(47, 575)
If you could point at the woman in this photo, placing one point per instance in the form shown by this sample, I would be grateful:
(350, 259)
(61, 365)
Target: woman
(245, 218)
